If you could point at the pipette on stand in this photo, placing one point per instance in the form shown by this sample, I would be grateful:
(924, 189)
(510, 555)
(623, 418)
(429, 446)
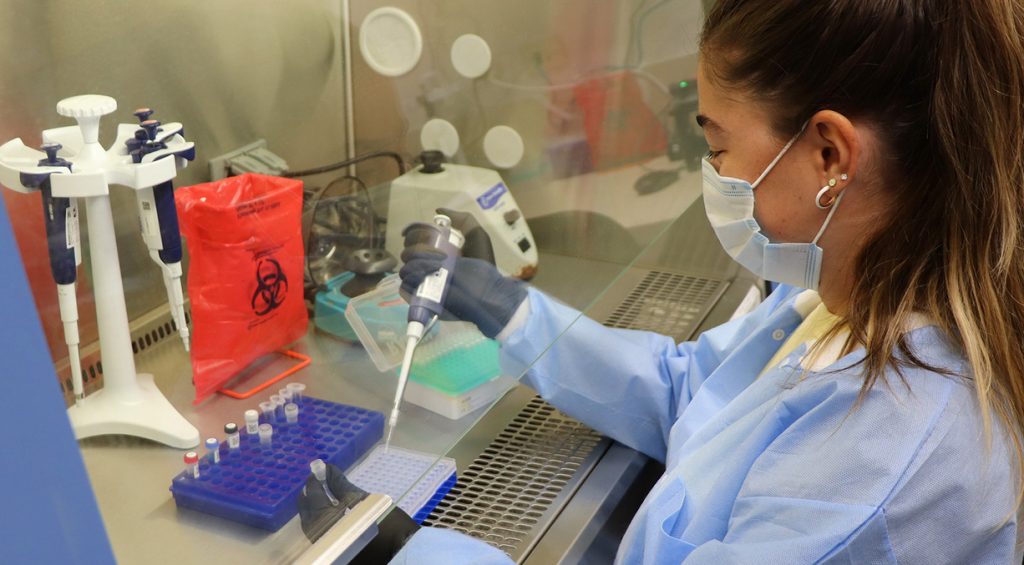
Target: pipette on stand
(158, 215)
(428, 302)
(61, 218)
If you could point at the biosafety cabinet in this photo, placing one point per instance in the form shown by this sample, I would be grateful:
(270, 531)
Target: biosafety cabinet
(562, 130)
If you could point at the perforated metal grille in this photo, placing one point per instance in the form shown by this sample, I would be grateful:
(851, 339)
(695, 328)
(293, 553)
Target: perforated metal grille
(509, 491)
(667, 303)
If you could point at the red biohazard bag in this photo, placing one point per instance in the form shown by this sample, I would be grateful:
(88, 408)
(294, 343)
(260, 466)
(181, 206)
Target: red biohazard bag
(244, 237)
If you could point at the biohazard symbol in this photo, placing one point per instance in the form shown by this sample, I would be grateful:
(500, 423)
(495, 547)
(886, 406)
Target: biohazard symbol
(271, 287)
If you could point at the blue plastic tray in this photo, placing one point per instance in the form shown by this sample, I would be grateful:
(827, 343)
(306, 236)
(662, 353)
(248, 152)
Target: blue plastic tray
(260, 486)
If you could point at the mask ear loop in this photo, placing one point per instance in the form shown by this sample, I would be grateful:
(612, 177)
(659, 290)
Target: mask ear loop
(778, 157)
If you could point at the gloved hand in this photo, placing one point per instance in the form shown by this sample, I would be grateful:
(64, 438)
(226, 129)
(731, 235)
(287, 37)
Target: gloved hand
(477, 292)
(317, 515)
(478, 243)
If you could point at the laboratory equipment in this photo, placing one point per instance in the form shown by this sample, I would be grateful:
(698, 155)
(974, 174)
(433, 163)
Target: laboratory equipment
(260, 485)
(231, 432)
(319, 470)
(192, 462)
(427, 303)
(61, 218)
(158, 216)
(266, 435)
(291, 413)
(480, 192)
(418, 481)
(456, 367)
(285, 394)
(213, 447)
(129, 403)
(365, 268)
(252, 422)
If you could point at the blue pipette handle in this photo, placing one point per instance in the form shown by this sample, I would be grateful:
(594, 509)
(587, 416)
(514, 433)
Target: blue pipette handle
(428, 301)
(62, 255)
(167, 214)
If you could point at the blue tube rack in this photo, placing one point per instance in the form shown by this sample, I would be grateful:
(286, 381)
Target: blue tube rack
(260, 486)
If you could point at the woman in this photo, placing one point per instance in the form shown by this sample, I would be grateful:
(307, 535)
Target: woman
(867, 154)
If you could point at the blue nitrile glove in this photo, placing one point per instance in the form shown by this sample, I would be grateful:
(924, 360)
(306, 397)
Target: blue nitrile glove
(318, 515)
(477, 293)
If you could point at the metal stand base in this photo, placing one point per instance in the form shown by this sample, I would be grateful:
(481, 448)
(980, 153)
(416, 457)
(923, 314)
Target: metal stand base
(146, 414)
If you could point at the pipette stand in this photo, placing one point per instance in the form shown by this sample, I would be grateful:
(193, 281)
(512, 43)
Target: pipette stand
(129, 403)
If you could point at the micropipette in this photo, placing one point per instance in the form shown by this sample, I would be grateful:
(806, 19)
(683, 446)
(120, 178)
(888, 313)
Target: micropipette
(428, 301)
(159, 218)
(61, 218)
(319, 469)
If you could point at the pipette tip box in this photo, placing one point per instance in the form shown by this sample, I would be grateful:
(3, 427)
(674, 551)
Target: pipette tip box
(418, 481)
(260, 486)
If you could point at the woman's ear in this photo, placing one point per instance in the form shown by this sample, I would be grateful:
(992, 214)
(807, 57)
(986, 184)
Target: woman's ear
(838, 147)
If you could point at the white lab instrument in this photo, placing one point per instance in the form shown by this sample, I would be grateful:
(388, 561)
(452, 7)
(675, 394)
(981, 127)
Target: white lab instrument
(481, 192)
(129, 403)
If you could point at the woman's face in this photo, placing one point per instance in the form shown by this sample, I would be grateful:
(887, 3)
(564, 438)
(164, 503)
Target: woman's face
(742, 145)
(739, 133)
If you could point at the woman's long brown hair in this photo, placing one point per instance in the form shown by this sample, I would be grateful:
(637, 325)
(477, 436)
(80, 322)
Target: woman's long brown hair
(941, 82)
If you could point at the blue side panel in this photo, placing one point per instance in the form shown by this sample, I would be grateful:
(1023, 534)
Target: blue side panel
(49, 512)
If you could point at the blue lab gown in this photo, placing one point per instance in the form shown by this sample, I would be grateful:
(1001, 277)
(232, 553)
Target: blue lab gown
(776, 468)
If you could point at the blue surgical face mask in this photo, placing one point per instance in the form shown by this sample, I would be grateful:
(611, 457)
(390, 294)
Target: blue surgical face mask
(729, 204)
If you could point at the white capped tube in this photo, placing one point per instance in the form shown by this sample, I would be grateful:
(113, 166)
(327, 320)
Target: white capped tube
(291, 413)
(285, 394)
(252, 422)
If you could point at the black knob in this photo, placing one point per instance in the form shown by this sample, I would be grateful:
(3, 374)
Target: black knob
(432, 160)
(143, 114)
(151, 127)
(51, 150)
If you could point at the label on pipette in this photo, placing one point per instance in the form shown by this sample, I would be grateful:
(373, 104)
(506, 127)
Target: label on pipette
(148, 220)
(432, 287)
(71, 233)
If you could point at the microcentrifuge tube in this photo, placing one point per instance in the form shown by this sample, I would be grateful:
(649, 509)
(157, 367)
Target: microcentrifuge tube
(291, 413)
(192, 462)
(252, 422)
(268, 411)
(275, 399)
(285, 394)
(298, 391)
(213, 446)
(266, 433)
(319, 469)
(231, 431)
